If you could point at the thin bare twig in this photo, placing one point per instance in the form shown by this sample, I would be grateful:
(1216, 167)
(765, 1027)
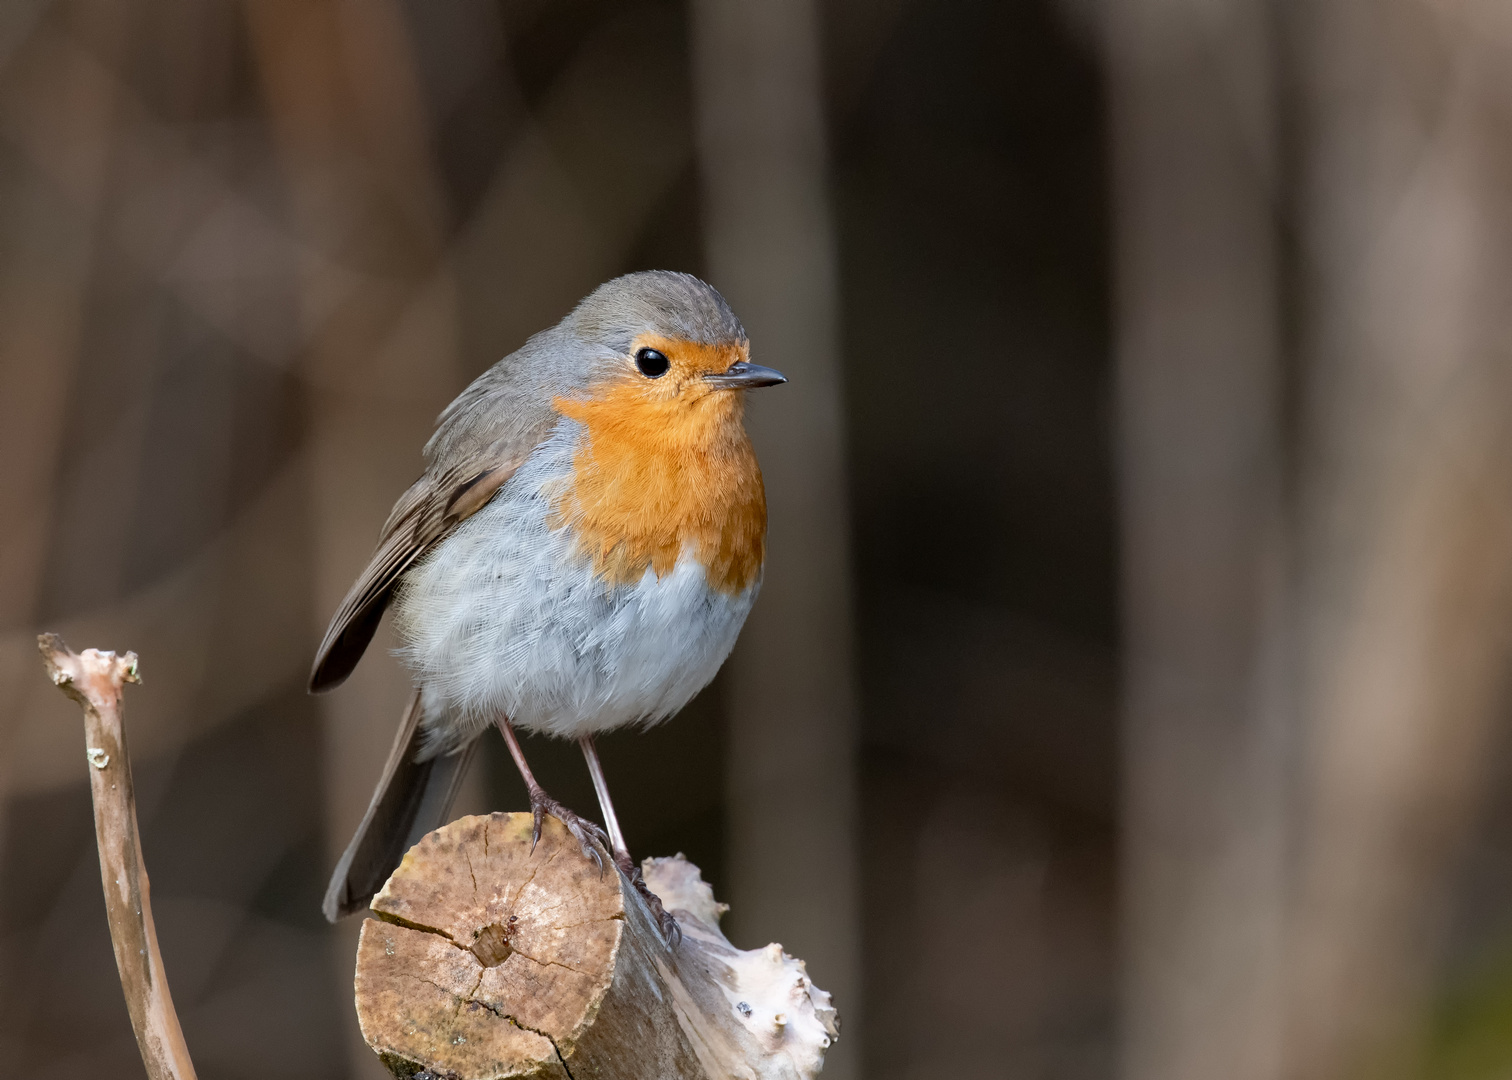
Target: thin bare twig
(94, 679)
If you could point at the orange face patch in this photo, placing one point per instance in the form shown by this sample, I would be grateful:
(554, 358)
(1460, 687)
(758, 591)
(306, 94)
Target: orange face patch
(666, 464)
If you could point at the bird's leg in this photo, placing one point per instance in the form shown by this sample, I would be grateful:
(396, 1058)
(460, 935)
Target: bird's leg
(669, 928)
(601, 789)
(583, 831)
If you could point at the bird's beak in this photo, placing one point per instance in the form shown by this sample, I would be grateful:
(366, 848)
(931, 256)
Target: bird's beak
(745, 376)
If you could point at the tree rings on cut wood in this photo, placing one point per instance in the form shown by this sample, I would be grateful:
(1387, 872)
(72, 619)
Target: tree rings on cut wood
(490, 960)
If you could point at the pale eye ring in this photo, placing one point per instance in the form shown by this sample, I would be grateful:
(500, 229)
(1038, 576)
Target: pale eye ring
(651, 363)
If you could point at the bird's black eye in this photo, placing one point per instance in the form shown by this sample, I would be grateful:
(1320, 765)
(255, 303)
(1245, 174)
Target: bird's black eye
(652, 364)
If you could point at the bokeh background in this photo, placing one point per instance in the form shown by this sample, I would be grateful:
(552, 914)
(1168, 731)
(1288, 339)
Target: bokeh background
(1128, 694)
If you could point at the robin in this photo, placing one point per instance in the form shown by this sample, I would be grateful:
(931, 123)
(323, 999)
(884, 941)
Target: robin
(579, 554)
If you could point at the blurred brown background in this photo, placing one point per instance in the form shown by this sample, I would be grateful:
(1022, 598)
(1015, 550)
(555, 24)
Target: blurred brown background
(1128, 694)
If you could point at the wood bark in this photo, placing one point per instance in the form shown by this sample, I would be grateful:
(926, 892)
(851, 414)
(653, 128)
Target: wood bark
(95, 679)
(492, 957)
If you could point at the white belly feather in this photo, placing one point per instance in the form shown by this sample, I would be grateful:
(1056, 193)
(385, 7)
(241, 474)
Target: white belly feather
(505, 617)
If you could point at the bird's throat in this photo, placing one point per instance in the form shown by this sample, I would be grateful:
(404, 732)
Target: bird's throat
(654, 478)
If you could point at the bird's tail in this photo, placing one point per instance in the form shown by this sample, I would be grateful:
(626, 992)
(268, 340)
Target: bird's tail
(413, 797)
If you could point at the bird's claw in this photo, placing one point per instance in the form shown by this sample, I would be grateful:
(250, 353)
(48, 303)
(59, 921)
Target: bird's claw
(594, 842)
(670, 931)
(589, 836)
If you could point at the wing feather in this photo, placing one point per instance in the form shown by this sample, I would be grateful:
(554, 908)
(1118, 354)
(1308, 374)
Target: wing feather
(481, 438)
(424, 514)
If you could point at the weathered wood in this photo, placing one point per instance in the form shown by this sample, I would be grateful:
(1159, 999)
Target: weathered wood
(489, 959)
(95, 679)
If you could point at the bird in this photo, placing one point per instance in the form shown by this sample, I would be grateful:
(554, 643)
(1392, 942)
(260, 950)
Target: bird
(579, 554)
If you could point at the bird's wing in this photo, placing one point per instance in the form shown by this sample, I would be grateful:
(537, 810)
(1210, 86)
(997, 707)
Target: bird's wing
(425, 513)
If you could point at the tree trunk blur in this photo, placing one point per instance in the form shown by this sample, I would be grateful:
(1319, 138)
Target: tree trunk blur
(790, 706)
(378, 329)
(47, 229)
(1317, 435)
(1405, 525)
(1199, 391)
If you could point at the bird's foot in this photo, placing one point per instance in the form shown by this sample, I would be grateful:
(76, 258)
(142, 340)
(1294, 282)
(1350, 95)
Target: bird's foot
(670, 931)
(593, 839)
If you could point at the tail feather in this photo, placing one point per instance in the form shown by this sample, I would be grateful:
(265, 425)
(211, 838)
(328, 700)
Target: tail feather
(412, 798)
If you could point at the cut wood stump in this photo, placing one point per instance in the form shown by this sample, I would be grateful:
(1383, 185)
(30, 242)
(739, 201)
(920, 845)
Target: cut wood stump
(488, 959)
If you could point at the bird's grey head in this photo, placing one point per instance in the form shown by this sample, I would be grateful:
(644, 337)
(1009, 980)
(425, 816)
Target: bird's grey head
(617, 330)
(660, 302)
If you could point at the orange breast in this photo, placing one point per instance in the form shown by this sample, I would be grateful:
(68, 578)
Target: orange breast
(656, 474)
